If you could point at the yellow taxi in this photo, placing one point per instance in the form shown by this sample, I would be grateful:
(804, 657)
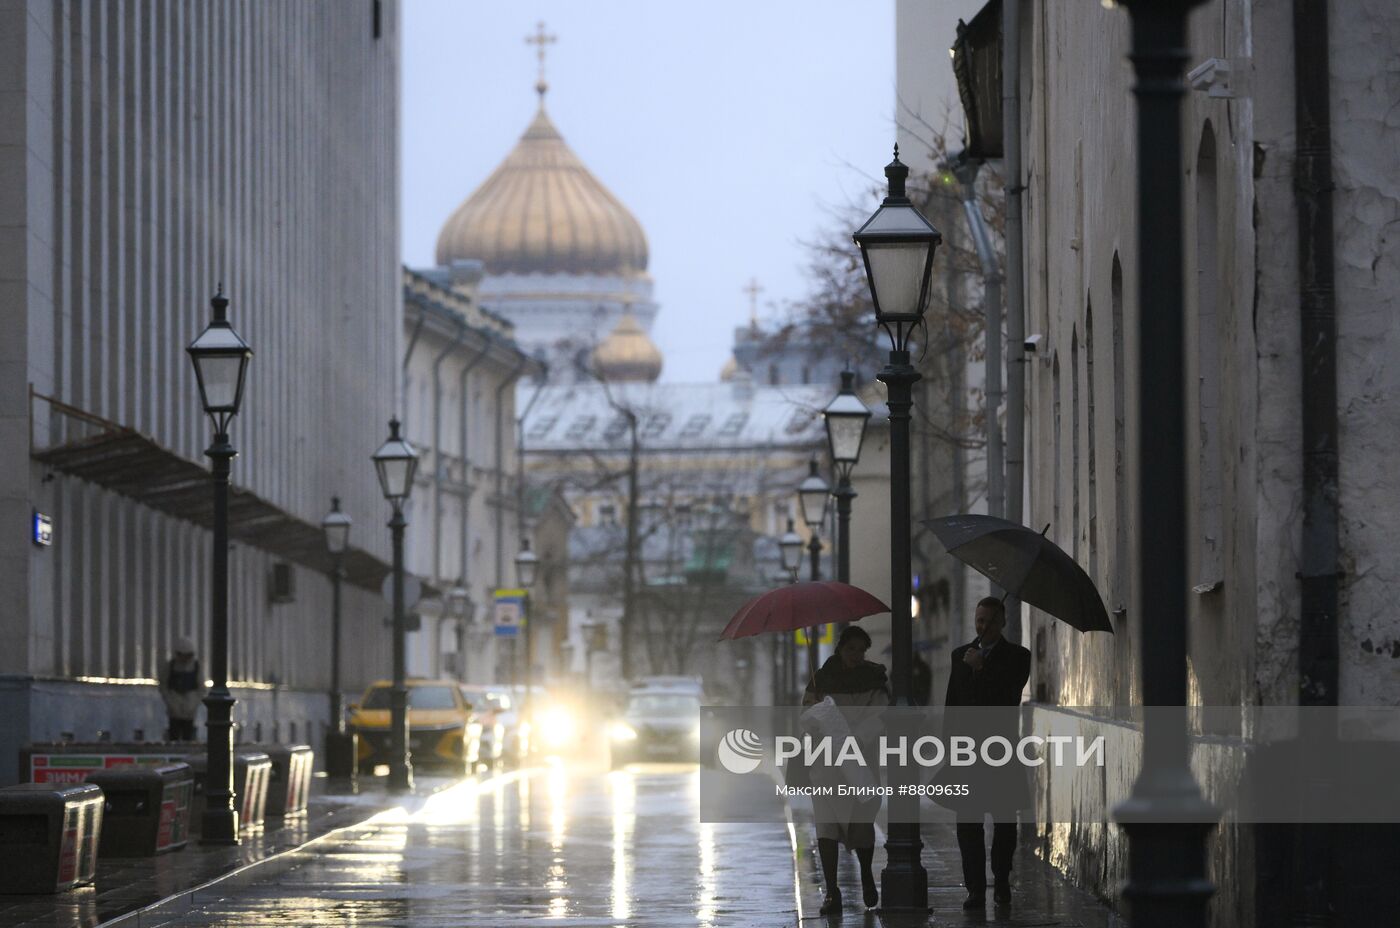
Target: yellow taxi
(442, 730)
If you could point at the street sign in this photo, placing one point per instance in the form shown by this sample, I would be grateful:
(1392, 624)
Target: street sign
(827, 636)
(508, 610)
(412, 590)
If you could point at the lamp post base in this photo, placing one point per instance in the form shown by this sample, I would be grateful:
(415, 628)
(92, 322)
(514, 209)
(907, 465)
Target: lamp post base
(218, 826)
(341, 761)
(904, 881)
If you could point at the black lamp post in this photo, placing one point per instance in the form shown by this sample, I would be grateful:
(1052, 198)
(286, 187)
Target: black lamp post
(790, 550)
(220, 360)
(897, 244)
(846, 417)
(340, 753)
(527, 565)
(396, 462)
(814, 495)
(1166, 818)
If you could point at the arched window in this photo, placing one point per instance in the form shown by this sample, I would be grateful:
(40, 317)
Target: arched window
(1075, 374)
(1057, 490)
(1089, 389)
(1209, 457)
(1121, 568)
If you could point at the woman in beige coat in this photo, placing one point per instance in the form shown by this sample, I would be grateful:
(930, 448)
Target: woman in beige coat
(852, 682)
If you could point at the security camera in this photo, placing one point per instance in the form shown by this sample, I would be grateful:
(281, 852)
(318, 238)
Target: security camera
(1032, 345)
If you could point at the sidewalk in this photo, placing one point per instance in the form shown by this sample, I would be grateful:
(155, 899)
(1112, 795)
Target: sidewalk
(1040, 896)
(128, 885)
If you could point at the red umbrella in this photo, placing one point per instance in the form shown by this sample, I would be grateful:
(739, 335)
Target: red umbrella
(802, 605)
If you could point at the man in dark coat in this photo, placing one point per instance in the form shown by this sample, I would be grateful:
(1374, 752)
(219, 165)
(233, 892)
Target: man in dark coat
(990, 671)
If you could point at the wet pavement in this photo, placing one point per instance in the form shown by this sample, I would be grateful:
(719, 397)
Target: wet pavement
(581, 847)
(577, 849)
(126, 885)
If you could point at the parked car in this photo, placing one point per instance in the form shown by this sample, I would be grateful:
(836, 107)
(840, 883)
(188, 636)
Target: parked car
(661, 724)
(442, 730)
(500, 723)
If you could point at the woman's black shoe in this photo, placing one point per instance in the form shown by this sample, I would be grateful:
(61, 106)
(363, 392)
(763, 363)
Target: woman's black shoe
(872, 895)
(1001, 894)
(975, 901)
(831, 904)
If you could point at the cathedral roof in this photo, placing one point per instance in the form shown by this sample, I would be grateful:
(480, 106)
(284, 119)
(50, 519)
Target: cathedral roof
(542, 211)
(627, 354)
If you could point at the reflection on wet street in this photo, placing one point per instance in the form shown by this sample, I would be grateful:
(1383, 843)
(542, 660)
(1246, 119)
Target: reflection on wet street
(576, 847)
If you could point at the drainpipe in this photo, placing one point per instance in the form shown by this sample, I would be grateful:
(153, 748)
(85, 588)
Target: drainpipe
(506, 384)
(1015, 280)
(1317, 304)
(437, 447)
(1314, 859)
(408, 356)
(966, 172)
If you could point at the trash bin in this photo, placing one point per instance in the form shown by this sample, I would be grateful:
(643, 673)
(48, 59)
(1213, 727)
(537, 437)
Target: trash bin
(147, 810)
(48, 836)
(289, 786)
(251, 771)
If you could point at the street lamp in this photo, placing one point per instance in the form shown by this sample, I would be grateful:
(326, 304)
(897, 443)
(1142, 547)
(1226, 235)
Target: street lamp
(790, 550)
(340, 751)
(527, 565)
(846, 417)
(814, 494)
(898, 244)
(220, 359)
(1166, 818)
(396, 462)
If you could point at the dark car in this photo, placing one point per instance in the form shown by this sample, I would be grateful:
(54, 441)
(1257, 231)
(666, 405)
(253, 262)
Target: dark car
(658, 725)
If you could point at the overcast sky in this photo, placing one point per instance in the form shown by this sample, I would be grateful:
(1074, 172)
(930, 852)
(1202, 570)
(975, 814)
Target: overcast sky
(730, 129)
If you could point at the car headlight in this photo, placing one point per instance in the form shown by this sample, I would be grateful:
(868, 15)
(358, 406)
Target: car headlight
(621, 731)
(555, 726)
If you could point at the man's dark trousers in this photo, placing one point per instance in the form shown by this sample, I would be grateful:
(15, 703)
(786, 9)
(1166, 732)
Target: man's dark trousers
(972, 842)
(1006, 668)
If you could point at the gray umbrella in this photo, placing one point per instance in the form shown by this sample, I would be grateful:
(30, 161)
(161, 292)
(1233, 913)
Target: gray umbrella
(1027, 565)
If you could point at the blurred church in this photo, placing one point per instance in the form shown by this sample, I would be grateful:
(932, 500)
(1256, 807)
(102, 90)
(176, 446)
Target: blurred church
(544, 245)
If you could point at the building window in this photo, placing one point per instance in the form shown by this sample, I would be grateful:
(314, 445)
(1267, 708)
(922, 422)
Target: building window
(1058, 489)
(580, 427)
(656, 425)
(1210, 479)
(734, 424)
(695, 426)
(1090, 386)
(607, 514)
(1120, 449)
(1074, 374)
(616, 429)
(540, 428)
(773, 375)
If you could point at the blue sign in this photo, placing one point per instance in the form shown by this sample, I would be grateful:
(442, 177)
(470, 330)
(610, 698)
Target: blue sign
(43, 529)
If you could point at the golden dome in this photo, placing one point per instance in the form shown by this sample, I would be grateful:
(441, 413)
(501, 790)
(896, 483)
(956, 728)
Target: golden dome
(731, 367)
(627, 354)
(541, 211)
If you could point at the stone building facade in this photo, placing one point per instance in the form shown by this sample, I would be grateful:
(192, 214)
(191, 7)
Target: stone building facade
(1244, 373)
(152, 151)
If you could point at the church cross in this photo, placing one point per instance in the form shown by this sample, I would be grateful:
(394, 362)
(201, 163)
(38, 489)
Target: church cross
(753, 290)
(541, 39)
